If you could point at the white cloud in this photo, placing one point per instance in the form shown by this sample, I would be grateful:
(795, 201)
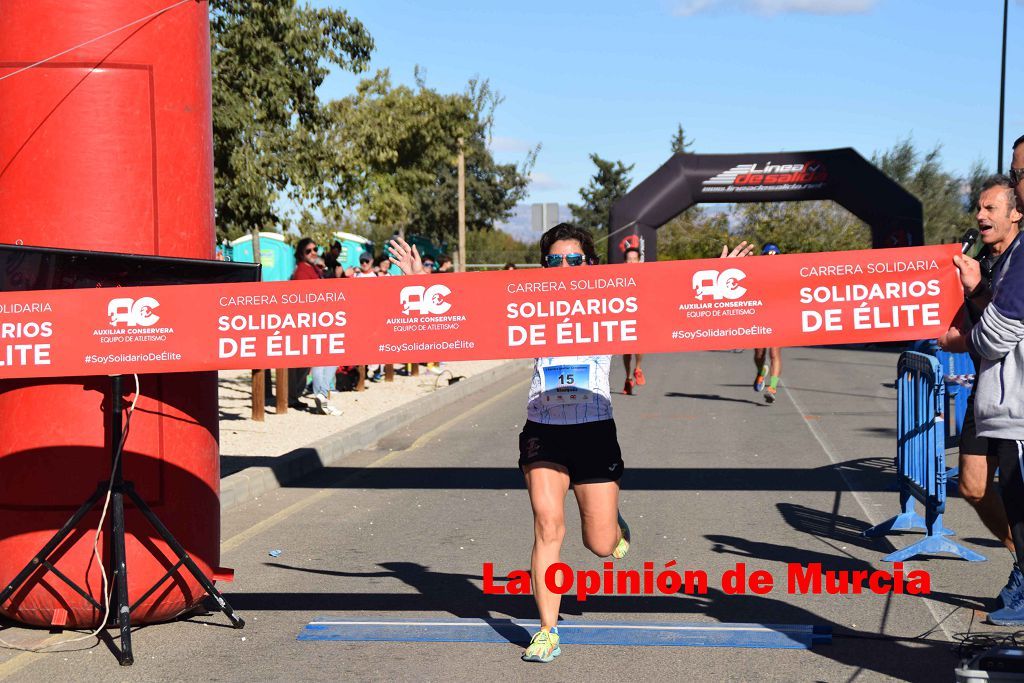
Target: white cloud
(507, 145)
(688, 8)
(543, 181)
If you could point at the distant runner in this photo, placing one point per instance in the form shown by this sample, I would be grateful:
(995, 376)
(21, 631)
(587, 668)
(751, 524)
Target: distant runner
(769, 360)
(632, 255)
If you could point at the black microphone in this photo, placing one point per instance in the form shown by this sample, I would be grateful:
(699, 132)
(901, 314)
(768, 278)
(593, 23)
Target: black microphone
(968, 240)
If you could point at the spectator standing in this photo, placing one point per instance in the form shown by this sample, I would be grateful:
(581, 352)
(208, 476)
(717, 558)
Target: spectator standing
(999, 234)
(365, 266)
(332, 261)
(306, 257)
(1017, 171)
(366, 269)
(998, 339)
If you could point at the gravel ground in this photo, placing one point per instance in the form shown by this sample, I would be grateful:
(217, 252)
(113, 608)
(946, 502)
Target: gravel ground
(279, 434)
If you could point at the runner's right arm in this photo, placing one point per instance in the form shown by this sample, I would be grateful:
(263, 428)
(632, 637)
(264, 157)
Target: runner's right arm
(405, 257)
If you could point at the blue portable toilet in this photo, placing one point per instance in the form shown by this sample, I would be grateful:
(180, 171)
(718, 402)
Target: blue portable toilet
(276, 255)
(352, 246)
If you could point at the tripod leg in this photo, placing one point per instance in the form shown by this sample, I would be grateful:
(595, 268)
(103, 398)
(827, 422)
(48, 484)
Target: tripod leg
(51, 545)
(124, 620)
(203, 579)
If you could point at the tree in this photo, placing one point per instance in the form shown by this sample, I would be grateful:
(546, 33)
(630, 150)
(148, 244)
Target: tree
(801, 226)
(610, 183)
(492, 189)
(680, 145)
(976, 177)
(402, 144)
(693, 234)
(696, 233)
(942, 194)
(495, 246)
(270, 130)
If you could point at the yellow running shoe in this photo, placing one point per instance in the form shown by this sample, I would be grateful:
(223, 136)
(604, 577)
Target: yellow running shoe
(543, 647)
(622, 547)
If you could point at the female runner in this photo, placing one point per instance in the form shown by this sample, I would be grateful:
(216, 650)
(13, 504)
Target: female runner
(569, 441)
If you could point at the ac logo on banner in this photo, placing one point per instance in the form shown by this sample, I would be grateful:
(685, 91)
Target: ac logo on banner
(425, 300)
(133, 312)
(719, 285)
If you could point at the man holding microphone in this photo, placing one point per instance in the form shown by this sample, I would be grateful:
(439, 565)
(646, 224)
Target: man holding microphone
(993, 433)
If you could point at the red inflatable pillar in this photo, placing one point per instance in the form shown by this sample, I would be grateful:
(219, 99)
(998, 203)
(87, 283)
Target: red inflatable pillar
(106, 147)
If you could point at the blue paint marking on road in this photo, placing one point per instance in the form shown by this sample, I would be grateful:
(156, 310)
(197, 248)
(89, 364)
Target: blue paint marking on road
(677, 634)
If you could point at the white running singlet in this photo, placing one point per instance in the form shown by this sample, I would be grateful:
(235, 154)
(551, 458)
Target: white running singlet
(570, 390)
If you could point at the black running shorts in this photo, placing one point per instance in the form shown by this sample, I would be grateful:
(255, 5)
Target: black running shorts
(590, 451)
(970, 442)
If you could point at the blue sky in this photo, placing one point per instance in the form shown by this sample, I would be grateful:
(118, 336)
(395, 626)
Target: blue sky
(740, 75)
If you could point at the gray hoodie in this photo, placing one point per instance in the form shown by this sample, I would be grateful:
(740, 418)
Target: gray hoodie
(999, 339)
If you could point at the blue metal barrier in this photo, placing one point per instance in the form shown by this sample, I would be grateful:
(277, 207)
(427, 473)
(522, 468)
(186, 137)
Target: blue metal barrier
(958, 376)
(921, 459)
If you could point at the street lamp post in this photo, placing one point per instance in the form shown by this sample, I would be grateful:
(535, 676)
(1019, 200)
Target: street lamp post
(1002, 88)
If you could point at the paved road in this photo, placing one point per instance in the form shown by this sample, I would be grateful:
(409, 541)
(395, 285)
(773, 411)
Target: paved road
(714, 477)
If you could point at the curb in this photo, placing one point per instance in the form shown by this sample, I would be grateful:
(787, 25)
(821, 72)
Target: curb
(251, 482)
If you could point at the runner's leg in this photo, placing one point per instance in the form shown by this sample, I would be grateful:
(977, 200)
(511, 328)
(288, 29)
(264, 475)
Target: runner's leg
(599, 511)
(977, 476)
(761, 363)
(547, 484)
(775, 354)
(628, 388)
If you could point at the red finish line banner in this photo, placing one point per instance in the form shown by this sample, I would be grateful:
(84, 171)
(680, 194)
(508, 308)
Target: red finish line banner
(786, 300)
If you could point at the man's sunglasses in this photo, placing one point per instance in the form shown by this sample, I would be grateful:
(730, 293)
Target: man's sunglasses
(1016, 175)
(555, 260)
(364, 260)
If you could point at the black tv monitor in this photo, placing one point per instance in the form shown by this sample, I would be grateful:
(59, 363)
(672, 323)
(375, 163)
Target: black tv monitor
(24, 268)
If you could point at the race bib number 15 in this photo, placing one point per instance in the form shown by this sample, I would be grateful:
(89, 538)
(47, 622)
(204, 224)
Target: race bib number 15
(567, 384)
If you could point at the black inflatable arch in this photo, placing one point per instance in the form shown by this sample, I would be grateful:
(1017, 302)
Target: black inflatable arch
(842, 175)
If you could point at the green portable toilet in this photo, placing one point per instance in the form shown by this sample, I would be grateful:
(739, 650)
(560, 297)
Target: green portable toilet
(276, 255)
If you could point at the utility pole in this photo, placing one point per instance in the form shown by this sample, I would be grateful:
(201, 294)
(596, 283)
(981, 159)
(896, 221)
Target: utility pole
(462, 207)
(258, 379)
(1002, 89)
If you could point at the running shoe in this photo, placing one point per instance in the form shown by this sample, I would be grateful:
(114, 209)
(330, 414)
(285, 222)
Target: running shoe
(622, 547)
(628, 389)
(759, 384)
(1011, 615)
(543, 647)
(1013, 586)
(639, 375)
(769, 395)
